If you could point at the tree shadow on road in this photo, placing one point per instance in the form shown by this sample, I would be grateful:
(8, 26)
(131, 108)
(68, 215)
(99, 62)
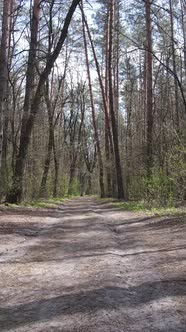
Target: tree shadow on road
(110, 298)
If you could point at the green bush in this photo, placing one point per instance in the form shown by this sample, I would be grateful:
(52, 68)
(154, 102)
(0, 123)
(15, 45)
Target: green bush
(177, 170)
(160, 190)
(157, 191)
(75, 188)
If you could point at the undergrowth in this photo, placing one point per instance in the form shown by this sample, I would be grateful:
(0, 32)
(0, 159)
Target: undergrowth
(142, 206)
(50, 202)
(45, 203)
(135, 206)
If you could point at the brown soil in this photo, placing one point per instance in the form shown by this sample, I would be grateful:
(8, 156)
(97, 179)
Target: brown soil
(89, 267)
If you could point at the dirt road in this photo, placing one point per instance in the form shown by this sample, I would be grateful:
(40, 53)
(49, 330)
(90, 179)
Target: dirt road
(89, 267)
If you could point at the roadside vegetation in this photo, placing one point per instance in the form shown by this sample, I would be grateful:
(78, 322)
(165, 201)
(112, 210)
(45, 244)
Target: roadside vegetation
(142, 206)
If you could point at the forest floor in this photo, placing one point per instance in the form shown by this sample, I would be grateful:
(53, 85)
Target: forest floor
(91, 267)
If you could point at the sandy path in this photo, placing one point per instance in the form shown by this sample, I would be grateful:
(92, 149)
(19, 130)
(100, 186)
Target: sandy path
(89, 267)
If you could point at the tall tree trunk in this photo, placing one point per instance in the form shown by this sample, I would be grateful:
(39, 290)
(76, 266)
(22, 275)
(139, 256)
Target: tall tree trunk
(116, 56)
(56, 171)
(177, 122)
(108, 157)
(3, 68)
(128, 146)
(43, 189)
(115, 66)
(15, 195)
(16, 191)
(183, 21)
(72, 178)
(149, 95)
(4, 165)
(100, 159)
(75, 151)
(105, 105)
(120, 190)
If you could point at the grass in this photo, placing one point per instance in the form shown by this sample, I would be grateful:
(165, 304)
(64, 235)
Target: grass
(45, 203)
(48, 202)
(135, 206)
(41, 203)
(167, 211)
(142, 206)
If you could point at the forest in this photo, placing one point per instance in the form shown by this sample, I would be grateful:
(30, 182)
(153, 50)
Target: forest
(93, 166)
(93, 100)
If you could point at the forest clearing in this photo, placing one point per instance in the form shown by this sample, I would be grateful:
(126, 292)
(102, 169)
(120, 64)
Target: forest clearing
(93, 165)
(91, 267)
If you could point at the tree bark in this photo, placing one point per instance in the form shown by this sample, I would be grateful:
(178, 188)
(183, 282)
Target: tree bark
(108, 158)
(43, 189)
(56, 171)
(3, 68)
(120, 190)
(149, 95)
